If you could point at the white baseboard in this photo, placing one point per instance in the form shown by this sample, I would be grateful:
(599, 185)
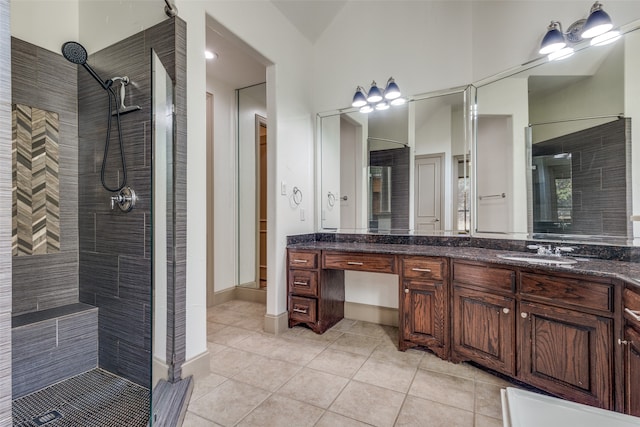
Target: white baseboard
(159, 371)
(276, 324)
(371, 313)
(237, 292)
(197, 366)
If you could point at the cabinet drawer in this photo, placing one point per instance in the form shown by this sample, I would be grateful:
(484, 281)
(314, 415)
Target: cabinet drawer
(376, 263)
(422, 268)
(576, 292)
(631, 307)
(303, 282)
(302, 309)
(484, 276)
(303, 259)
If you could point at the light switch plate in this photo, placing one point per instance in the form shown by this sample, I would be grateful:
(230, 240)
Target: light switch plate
(283, 188)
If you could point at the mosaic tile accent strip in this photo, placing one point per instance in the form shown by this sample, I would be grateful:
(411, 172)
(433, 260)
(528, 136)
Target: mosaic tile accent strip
(35, 201)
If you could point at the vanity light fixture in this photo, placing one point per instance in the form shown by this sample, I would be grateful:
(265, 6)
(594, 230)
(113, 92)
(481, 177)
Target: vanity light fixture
(596, 27)
(377, 99)
(597, 23)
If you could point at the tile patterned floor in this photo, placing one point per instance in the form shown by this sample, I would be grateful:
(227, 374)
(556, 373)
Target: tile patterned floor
(352, 375)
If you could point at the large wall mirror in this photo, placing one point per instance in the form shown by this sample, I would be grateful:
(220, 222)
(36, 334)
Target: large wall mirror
(404, 170)
(554, 156)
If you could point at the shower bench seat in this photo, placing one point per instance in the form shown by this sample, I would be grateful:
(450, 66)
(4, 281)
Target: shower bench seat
(51, 345)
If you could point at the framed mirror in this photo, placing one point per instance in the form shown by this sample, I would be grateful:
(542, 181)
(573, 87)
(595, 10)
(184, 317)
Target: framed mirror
(404, 170)
(554, 156)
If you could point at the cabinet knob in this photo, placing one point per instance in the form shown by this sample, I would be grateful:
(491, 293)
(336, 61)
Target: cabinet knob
(622, 342)
(506, 310)
(523, 315)
(406, 290)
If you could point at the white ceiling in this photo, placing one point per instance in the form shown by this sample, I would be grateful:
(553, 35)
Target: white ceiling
(240, 66)
(310, 17)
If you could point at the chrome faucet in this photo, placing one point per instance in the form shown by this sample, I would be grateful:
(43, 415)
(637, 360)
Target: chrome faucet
(548, 250)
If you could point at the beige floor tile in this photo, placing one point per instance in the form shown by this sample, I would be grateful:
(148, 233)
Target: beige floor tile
(231, 361)
(262, 344)
(228, 403)
(215, 347)
(230, 335)
(431, 362)
(358, 344)
(192, 420)
(337, 362)
(444, 388)
(252, 322)
(419, 412)
(204, 385)
(313, 387)
(486, 377)
(344, 325)
(374, 330)
(483, 421)
(282, 411)
(368, 403)
(331, 419)
(389, 352)
(392, 375)
(297, 352)
(300, 332)
(213, 327)
(227, 317)
(488, 401)
(268, 374)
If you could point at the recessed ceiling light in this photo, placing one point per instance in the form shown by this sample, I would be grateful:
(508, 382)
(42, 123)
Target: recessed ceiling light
(210, 55)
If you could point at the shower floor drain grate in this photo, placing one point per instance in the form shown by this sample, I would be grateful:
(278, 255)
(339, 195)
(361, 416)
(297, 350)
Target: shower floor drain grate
(47, 418)
(95, 398)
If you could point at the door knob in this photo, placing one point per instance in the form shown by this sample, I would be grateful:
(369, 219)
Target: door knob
(505, 310)
(406, 290)
(523, 315)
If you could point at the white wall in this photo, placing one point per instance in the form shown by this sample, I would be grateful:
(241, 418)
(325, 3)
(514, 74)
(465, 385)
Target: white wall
(424, 45)
(45, 23)
(291, 153)
(632, 109)
(224, 182)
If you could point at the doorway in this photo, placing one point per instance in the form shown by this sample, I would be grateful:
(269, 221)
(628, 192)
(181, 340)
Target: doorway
(428, 192)
(261, 148)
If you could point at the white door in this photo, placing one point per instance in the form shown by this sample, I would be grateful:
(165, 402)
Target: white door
(428, 192)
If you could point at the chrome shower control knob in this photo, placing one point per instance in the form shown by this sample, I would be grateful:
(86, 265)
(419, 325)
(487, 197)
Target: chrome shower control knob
(125, 199)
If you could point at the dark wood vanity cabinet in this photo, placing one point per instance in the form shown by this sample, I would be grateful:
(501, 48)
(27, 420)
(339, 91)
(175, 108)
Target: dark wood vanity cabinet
(483, 325)
(631, 344)
(316, 296)
(565, 339)
(424, 304)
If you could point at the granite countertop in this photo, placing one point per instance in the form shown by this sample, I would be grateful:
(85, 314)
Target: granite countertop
(627, 271)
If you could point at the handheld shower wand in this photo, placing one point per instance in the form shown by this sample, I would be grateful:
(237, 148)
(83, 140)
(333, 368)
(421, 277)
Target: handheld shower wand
(126, 197)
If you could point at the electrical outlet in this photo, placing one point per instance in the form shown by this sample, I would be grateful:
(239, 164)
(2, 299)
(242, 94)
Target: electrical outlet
(283, 188)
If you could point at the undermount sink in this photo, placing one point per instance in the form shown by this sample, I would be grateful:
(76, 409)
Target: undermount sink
(539, 259)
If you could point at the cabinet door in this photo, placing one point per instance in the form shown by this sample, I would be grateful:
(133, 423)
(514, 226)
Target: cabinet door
(484, 329)
(425, 315)
(632, 372)
(567, 353)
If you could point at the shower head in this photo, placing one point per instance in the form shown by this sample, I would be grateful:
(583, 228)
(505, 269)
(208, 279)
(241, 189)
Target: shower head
(76, 53)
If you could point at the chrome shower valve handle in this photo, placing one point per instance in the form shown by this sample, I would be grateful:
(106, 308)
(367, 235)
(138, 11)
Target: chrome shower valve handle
(125, 199)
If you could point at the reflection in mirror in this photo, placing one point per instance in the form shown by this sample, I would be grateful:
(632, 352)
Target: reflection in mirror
(420, 146)
(162, 98)
(533, 120)
(252, 221)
